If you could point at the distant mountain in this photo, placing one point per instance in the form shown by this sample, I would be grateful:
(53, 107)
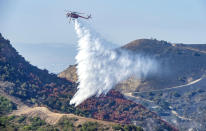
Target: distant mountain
(36, 87)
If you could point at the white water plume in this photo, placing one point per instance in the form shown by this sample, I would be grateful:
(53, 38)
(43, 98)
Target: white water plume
(100, 66)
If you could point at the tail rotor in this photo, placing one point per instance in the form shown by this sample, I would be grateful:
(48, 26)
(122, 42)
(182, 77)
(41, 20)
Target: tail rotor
(89, 16)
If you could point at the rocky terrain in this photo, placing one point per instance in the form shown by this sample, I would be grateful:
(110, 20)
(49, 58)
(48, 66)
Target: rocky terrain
(69, 74)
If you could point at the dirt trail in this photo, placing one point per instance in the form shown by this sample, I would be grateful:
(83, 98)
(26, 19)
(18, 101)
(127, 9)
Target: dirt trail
(193, 49)
(181, 117)
(175, 87)
(152, 103)
(52, 117)
(44, 113)
(189, 48)
(137, 97)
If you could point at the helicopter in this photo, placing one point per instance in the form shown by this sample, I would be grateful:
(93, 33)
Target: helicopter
(75, 15)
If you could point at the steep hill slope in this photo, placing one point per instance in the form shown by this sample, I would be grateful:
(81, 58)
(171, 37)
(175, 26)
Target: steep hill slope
(30, 84)
(37, 87)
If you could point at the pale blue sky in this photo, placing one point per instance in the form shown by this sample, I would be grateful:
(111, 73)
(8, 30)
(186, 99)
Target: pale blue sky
(119, 21)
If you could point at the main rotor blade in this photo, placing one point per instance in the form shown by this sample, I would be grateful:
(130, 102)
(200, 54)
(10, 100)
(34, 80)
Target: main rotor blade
(77, 12)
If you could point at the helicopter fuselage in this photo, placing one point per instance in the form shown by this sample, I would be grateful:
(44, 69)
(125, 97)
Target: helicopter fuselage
(74, 15)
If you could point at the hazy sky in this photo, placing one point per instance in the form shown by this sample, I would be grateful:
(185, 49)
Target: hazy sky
(119, 21)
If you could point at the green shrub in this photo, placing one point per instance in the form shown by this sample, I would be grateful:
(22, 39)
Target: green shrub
(117, 128)
(89, 126)
(21, 119)
(6, 106)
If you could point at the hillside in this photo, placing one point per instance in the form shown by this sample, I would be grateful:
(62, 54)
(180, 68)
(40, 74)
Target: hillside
(179, 63)
(40, 118)
(30, 84)
(69, 73)
(177, 92)
(35, 87)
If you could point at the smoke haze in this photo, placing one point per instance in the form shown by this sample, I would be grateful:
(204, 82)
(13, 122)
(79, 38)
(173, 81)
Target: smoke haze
(100, 66)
